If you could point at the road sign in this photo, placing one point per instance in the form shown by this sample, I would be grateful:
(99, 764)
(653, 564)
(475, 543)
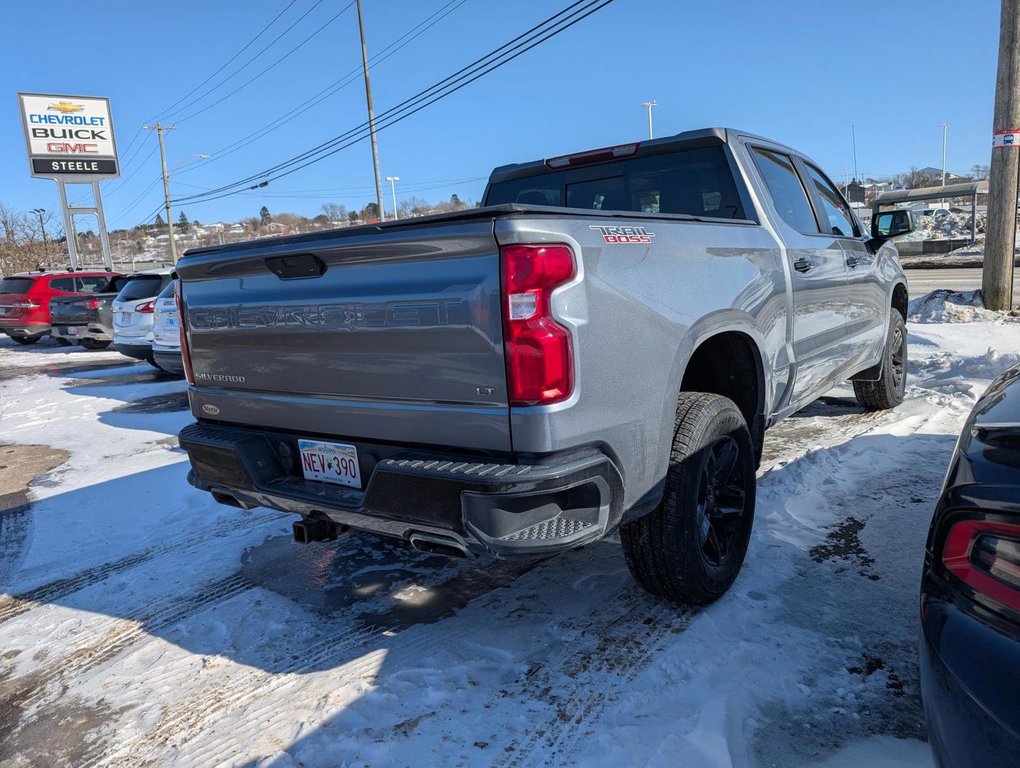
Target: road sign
(69, 138)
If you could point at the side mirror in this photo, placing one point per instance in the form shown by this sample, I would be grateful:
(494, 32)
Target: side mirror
(889, 224)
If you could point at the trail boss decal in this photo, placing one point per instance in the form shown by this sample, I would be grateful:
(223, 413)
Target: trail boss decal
(620, 235)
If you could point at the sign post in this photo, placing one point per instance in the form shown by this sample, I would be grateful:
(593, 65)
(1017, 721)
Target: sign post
(70, 140)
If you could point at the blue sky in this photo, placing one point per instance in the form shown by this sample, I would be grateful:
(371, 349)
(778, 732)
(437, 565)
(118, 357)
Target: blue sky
(800, 71)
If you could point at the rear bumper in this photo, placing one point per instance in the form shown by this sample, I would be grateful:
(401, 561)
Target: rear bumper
(171, 362)
(505, 509)
(970, 675)
(24, 330)
(137, 351)
(91, 331)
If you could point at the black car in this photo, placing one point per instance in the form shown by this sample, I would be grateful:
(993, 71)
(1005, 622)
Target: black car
(970, 591)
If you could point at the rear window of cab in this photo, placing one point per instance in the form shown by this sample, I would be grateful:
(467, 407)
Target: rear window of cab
(696, 182)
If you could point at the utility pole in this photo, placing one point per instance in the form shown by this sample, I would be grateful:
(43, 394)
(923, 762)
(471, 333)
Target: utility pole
(648, 105)
(42, 227)
(1000, 229)
(159, 128)
(371, 116)
(945, 128)
(393, 188)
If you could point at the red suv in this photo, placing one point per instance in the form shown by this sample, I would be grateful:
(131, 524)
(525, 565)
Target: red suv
(25, 299)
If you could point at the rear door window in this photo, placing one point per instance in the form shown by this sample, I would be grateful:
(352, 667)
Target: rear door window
(18, 285)
(695, 182)
(91, 283)
(141, 287)
(65, 284)
(788, 194)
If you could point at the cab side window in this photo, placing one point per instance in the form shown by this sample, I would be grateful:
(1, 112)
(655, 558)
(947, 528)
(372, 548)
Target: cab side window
(65, 284)
(788, 194)
(841, 221)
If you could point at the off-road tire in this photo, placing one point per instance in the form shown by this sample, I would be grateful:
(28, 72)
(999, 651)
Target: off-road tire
(666, 549)
(94, 344)
(26, 339)
(888, 391)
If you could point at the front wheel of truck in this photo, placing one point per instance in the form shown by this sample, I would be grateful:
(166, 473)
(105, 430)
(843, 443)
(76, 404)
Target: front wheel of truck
(692, 545)
(888, 391)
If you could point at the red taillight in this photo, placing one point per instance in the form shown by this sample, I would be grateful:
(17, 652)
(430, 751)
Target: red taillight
(147, 307)
(92, 304)
(985, 556)
(183, 326)
(539, 353)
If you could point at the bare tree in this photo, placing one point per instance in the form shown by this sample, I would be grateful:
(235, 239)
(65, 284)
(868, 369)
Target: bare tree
(334, 211)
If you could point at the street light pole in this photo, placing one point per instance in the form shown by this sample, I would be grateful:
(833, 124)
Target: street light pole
(371, 116)
(42, 226)
(393, 188)
(649, 105)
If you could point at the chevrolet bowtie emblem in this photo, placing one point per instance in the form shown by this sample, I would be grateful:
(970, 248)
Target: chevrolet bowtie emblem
(66, 107)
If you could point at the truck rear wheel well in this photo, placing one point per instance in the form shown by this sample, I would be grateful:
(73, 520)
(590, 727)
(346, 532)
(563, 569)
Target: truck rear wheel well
(729, 365)
(899, 299)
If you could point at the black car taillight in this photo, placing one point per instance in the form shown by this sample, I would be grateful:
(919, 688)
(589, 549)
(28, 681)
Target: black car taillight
(985, 555)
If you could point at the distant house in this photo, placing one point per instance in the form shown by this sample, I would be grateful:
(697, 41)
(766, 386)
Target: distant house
(856, 192)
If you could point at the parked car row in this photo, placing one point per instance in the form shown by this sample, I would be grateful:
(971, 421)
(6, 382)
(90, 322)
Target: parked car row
(95, 310)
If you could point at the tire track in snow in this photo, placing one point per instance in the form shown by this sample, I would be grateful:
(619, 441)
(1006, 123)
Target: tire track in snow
(577, 686)
(127, 632)
(18, 604)
(331, 650)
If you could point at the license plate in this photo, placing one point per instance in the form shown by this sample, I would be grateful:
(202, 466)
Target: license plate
(73, 331)
(125, 318)
(170, 322)
(335, 463)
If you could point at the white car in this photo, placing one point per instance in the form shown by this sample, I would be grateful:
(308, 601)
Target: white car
(166, 332)
(134, 310)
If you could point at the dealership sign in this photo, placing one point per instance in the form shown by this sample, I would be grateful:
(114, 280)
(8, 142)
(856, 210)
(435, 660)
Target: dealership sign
(69, 137)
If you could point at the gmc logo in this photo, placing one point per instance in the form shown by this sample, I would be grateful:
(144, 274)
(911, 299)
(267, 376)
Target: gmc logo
(56, 146)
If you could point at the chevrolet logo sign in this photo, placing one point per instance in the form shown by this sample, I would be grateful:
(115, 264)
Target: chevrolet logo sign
(66, 107)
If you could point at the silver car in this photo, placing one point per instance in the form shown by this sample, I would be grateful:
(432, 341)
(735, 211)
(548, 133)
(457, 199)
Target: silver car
(166, 332)
(134, 310)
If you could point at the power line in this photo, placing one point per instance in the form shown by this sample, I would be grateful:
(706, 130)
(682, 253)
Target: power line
(540, 33)
(267, 69)
(236, 72)
(337, 85)
(126, 152)
(227, 63)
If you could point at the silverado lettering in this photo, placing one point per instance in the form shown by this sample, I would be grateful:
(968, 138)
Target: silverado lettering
(351, 316)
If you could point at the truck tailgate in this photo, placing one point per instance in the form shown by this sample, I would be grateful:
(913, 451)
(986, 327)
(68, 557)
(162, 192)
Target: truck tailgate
(391, 335)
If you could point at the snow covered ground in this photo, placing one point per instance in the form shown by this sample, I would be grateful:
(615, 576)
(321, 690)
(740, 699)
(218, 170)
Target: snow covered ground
(142, 624)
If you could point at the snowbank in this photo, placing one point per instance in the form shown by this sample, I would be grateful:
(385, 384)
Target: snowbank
(948, 306)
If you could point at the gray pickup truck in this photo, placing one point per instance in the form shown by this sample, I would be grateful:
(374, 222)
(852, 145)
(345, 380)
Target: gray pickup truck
(601, 346)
